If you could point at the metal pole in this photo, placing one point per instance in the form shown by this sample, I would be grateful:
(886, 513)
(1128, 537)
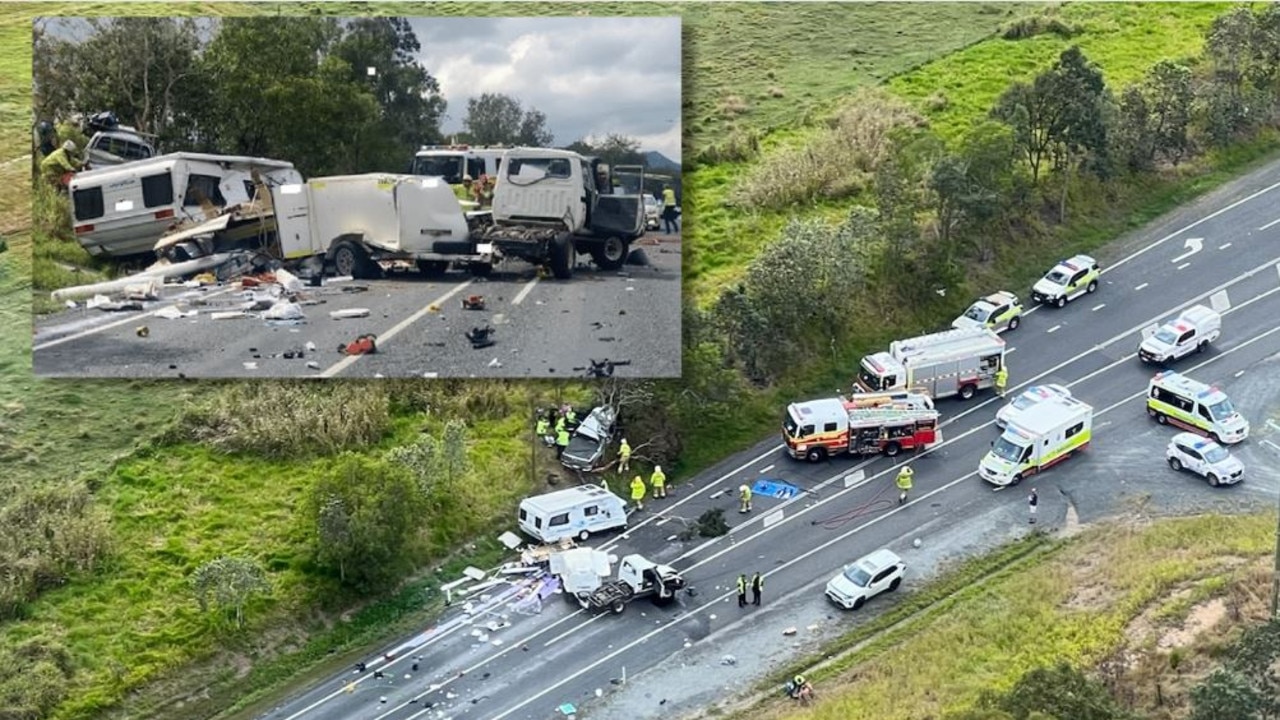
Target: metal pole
(1275, 575)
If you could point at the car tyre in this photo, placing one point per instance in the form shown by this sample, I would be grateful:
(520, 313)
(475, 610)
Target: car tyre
(1013, 323)
(1213, 480)
(1060, 302)
(349, 258)
(618, 606)
(1161, 419)
(584, 536)
(1175, 463)
(1093, 286)
(817, 454)
(892, 449)
(563, 256)
(1204, 345)
(1016, 479)
(610, 254)
(894, 585)
(857, 604)
(967, 391)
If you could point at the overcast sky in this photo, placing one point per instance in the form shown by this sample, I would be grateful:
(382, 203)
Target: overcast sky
(590, 76)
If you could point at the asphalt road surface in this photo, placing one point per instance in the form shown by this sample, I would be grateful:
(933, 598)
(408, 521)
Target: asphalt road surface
(497, 658)
(541, 328)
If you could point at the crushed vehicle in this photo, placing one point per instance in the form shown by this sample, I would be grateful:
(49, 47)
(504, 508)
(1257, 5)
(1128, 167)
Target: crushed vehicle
(862, 425)
(952, 362)
(123, 210)
(111, 143)
(584, 576)
(590, 439)
(545, 209)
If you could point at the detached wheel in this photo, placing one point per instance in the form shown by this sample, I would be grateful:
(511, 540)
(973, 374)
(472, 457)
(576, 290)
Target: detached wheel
(815, 455)
(611, 254)
(349, 258)
(563, 256)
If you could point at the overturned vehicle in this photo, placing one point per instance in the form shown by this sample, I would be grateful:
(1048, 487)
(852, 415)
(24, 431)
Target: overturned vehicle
(548, 206)
(590, 439)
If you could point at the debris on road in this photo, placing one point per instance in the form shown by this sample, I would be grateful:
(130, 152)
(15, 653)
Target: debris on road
(229, 315)
(143, 331)
(473, 302)
(149, 290)
(602, 368)
(284, 310)
(158, 272)
(349, 313)
(363, 345)
(480, 337)
(173, 313)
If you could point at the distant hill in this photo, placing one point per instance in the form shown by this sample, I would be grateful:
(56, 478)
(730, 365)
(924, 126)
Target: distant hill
(660, 163)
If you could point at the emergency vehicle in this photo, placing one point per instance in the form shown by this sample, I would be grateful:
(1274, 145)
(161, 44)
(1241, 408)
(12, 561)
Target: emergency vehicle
(816, 429)
(1067, 280)
(951, 362)
(1048, 433)
(1194, 329)
(999, 311)
(1192, 405)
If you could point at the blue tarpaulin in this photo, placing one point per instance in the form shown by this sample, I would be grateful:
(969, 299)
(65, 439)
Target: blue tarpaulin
(774, 488)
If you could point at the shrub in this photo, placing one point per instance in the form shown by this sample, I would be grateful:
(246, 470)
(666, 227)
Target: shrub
(1033, 25)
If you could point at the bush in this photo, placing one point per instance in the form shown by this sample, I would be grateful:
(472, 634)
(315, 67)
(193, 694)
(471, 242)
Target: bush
(1033, 25)
(289, 419)
(738, 146)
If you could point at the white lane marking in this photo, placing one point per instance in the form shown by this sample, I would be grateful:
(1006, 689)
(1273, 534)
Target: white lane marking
(524, 291)
(1053, 329)
(1179, 231)
(766, 469)
(838, 539)
(117, 323)
(1224, 246)
(1184, 265)
(1141, 286)
(349, 360)
(1273, 222)
(1010, 351)
(1099, 307)
(1239, 373)
(1193, 246)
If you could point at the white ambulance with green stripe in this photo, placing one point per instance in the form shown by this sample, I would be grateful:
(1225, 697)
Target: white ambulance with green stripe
(1045, 434)
(1192, 405)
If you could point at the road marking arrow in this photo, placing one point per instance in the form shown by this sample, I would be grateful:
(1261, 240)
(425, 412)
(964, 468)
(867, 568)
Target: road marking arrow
(1193, 246)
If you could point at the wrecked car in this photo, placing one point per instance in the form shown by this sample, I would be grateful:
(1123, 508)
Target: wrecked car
(590, 440)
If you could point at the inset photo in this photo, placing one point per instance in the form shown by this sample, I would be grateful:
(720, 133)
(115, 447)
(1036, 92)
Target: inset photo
(362, 197)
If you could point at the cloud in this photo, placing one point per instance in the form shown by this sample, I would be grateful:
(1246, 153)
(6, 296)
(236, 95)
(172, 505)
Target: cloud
(590, 76)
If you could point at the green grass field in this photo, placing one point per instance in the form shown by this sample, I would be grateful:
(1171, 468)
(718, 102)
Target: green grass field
(1077, 603)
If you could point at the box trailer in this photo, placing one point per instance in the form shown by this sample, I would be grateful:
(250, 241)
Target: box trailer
(951, 362)
(1046, 434)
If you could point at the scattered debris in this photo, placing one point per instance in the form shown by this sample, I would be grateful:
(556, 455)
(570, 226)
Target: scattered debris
(349, 313)
(602, 368)
(479, 337)
(229, 315)
(728, 660)
(109, 306)
(251, 366)
(363, 345)
(143, 331)
(313, 365)
(473, 302)
(310, 346)
(789, 631)
(149, 290)
(159, 272)
(173, 313)
(284, 310)
(494, 363)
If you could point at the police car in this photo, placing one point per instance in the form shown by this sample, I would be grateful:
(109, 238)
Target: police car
(1028, 398)
(1067, 280)
(1205, 458)
(998, 311)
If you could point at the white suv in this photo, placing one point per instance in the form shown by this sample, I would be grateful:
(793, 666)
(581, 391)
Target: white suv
(1028, 398)
(1205, 458)
(871, 575)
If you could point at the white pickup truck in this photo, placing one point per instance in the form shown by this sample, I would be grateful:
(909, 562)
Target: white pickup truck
(1194, 329)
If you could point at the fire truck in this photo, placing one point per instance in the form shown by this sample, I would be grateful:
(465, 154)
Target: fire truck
(862, 425)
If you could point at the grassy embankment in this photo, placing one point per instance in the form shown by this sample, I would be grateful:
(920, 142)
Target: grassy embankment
(1123, 585)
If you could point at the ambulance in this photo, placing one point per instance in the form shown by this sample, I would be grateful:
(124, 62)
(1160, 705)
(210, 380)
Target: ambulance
(1048, 433)
(883, 423)
(952, 362)
(1192, 405)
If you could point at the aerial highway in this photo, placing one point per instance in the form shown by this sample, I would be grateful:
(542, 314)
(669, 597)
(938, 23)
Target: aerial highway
(489, 659)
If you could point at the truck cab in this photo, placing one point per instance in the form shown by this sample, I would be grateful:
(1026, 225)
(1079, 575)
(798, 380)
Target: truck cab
(1194, 329)
(453, 162)
(1048, 433)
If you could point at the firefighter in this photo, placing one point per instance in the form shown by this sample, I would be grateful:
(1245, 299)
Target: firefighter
(624, 456)
(543, 429)
(659, 482)
(570, 416)
(562, 441)
(637, 492)
(744, 499)
(1002, 378)
(58, 166)
(904, 483)
(742, 591)
(559, 422)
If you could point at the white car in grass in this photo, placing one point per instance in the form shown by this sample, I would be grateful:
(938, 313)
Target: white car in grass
(1204, 457)
(1029, 398)
(879, 572)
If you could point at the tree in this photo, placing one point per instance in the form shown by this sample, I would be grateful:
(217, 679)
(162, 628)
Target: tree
(1229, 46)
(230, 581)
(975, 186)
(1170, 97)
(1225, 694)
(614, 149)
(498, 119)
(1135, 136)
(408, 97)
(1060, 691)
(134, 66)
(1033, 115)
(440, 466)
(363, 514)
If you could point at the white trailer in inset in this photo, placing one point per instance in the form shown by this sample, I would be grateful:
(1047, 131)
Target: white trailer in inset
(951, 362)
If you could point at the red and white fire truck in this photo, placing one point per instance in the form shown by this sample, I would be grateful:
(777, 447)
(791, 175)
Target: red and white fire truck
(860, 425)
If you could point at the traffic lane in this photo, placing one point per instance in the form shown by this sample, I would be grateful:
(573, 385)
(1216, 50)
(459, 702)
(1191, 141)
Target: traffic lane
(960, 499)
(546, 328)
(201, 346)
